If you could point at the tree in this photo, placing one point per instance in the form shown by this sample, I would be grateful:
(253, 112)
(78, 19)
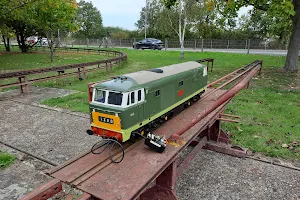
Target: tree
(287, 9)
(120, 35)
(156, 25)
(6, 33)
(12, 19)
(53, 15)
(90, 21)
(187, 17)
(38, 17)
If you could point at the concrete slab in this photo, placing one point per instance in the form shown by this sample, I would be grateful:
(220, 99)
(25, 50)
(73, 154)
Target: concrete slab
(52, 134)
(24, 175)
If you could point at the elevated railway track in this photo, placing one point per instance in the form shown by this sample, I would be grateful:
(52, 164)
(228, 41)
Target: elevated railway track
(145, 174)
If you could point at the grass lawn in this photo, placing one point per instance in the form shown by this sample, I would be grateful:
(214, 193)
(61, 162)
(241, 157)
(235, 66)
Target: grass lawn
(270, 109)
(19, 61)
(6, 160)
(16, 61)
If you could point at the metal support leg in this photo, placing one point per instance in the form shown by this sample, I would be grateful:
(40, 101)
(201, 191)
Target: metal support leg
(164, 188)
(220, 142)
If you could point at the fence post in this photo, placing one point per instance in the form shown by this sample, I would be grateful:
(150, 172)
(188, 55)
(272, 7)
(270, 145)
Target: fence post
(248, 47)
(166, 44)
(265, 44)
(211, 44)
(120, 42)
(228, 44)
(87, 42)
(195, 44)
(202, 45)
(134, 41)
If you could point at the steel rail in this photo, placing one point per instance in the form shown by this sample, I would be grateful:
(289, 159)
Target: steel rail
(225, 97)
(122, 56)
(30, 154)
(82, 68)
(235, 74)
(230, 74)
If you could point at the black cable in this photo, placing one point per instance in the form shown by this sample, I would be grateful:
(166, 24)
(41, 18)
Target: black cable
(107, 143)
(139, 134)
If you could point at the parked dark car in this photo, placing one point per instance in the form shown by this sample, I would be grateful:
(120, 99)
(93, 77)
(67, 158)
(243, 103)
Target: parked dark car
(149, 43)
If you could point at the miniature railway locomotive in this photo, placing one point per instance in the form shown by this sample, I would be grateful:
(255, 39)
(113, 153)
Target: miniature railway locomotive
(132, 104)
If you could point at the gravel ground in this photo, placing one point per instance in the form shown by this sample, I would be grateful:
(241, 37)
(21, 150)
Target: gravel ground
(52, 134)
(57, 135)
(216, 176)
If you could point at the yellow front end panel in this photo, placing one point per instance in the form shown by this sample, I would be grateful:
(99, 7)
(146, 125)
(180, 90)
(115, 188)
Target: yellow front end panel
(106, 121)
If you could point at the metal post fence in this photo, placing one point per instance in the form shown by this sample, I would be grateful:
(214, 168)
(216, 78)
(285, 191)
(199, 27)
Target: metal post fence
(248, 51)
(195, 44)
(166, 44)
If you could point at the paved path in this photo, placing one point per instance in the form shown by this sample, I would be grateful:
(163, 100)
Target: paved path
(57, 135)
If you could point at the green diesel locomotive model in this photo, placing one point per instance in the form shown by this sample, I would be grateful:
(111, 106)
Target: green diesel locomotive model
(135, 102)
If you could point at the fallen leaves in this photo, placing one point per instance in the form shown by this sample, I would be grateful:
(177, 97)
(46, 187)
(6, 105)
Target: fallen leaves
(269, 142)
(239, 129)
(292, 146)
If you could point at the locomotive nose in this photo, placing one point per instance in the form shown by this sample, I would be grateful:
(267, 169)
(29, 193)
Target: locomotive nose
(90, 132)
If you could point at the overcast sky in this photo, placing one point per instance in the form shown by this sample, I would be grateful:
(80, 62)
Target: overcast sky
(122, 13)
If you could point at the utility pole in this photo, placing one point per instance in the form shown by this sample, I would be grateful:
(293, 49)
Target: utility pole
(145, 21)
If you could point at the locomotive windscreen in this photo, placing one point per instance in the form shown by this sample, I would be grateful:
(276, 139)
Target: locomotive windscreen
(114, 98)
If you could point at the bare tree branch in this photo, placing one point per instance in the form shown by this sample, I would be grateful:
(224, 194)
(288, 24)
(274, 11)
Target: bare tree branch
(171, 24)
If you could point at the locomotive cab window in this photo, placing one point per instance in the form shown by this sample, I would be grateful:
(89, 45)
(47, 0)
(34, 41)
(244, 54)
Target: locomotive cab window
(157, 93)
(180, 83)
(132, 98)
(108, 97)
(115, 98)
(139, 95)
(99, 95)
